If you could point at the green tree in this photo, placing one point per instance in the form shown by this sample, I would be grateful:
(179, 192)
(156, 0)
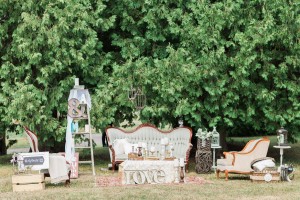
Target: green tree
(230, 64)
(224, 64)
(45, 45)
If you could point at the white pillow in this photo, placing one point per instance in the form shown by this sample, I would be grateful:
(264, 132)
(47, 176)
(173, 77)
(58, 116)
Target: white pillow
(118, 145)
(144, 145)
(260, 165)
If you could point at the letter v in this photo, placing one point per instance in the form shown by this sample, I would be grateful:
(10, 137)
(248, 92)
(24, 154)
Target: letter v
(149, 176)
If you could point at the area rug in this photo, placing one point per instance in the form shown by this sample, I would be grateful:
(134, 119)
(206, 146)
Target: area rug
(107, 181)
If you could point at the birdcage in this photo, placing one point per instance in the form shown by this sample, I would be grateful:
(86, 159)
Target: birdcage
(140, 99)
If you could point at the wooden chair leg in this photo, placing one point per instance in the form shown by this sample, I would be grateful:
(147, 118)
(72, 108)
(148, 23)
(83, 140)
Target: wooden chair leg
(218, 173)
(187, 167)
(113, 166)
(68, 182)
(226, 175)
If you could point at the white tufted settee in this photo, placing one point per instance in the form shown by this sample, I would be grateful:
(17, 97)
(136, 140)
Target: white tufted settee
(151, 136)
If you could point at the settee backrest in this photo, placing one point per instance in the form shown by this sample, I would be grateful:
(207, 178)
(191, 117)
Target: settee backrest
(180, 137)
(259, 150)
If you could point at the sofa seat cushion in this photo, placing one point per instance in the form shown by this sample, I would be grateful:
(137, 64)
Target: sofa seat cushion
(121, 157)
(224, 162)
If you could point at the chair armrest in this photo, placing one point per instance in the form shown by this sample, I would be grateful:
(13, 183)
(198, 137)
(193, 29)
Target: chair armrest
(188, 156)
(228, 153)
(188, 151)
(113, 154)
(242, 161)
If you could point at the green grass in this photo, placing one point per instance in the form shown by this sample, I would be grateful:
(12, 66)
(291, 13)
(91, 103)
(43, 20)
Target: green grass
(238, 186)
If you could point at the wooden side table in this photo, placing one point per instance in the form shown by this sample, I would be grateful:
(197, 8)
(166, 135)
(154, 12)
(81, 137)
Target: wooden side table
(281, 152)
(214, 157)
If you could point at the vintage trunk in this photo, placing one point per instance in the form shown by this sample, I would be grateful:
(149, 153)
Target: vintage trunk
(265, 176)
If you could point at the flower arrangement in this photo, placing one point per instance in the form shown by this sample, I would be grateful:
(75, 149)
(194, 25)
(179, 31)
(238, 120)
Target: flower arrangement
(203, 134)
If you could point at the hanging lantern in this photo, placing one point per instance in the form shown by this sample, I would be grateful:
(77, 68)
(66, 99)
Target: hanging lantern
(282, 137)
(140, 99)
(215, 140)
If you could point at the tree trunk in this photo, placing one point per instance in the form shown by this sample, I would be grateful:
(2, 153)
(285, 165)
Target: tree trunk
(3, 150)
(223, 136)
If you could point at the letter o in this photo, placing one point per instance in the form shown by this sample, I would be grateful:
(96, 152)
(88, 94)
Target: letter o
(139, 177)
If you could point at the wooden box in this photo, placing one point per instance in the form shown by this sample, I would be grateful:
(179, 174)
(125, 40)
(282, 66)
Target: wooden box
(270, 176)
(152, 158)
(134, 156)
(28, 182)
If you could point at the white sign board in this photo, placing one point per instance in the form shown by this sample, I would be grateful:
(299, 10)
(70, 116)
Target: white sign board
(33, 161)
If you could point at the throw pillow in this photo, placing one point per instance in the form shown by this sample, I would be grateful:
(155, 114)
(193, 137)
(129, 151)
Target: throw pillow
(261, 165)
(118, 145)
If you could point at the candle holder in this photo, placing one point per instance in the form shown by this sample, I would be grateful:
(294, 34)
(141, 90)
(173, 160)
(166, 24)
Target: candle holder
(152, 150)
(176, 170)
(140, 151)
(163, 152)
(171, 150)
(144, 152)
(176, 178)
(181, 175)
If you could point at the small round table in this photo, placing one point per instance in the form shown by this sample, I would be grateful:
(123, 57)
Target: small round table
(281, 151)
(214, 156)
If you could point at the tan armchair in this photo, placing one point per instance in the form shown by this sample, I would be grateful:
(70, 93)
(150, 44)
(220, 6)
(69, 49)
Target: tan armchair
(240, 162)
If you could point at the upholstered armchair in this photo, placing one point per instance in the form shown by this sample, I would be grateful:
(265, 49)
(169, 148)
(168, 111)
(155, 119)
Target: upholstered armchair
(55, 159)
(240, 162)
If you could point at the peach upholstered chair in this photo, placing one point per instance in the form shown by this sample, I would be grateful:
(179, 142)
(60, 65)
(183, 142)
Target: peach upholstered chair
(33, 141)
(240, 162)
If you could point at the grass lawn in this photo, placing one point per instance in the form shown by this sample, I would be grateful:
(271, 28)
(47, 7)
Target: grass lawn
(238, 186)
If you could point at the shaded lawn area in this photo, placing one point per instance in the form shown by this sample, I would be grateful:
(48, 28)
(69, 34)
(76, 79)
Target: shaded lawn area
(238, 186)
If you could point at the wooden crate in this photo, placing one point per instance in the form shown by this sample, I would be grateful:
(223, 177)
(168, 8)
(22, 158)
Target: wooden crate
(28, 182)
(260, 176)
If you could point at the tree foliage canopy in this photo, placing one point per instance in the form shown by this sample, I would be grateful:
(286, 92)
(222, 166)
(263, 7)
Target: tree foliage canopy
(230, 64)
